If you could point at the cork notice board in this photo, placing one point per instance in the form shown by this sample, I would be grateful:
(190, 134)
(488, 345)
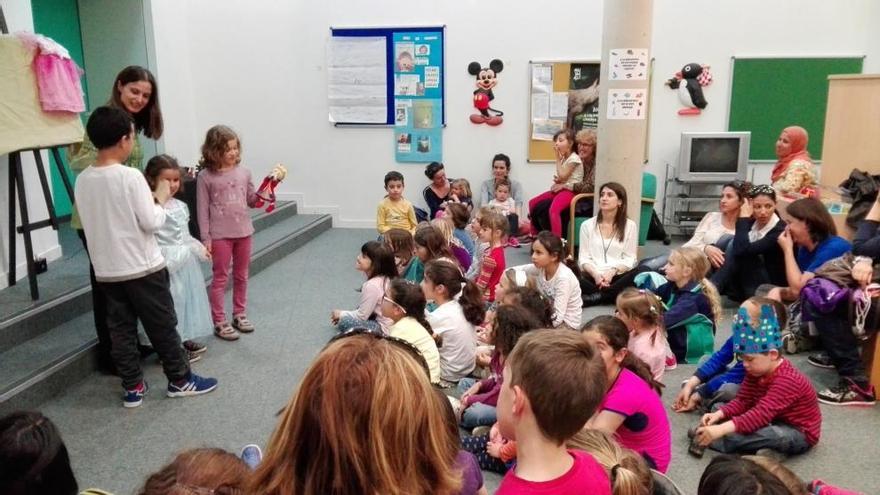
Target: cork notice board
(561, 94)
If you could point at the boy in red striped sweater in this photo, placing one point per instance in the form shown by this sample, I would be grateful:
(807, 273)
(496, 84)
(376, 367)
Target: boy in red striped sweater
(776, 407)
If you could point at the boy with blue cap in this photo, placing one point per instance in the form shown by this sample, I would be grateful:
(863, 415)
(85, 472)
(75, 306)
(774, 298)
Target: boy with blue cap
(776, 407)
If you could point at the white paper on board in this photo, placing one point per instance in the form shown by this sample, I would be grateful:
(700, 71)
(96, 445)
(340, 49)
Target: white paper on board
(628, 64)
(628, 103)
(357, 81)
(542, 78)
(544, 129)
(540, 106)
(432, 76)
(559, 104)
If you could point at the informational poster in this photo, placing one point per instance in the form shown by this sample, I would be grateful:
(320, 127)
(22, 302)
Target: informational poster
(628, 64)
(571, 103)
(418, 93)
(357, 85)
(583, 97)
(627, 103)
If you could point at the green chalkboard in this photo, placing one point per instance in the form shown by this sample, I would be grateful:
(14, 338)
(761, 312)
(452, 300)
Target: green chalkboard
(768, 94)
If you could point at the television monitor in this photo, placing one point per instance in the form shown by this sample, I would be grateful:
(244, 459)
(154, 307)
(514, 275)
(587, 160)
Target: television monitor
(713, 156)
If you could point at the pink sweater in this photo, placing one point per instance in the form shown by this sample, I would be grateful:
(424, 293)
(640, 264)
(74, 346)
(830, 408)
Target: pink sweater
(223, 199)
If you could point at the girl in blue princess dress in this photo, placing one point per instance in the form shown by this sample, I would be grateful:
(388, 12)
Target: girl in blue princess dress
(182, 253)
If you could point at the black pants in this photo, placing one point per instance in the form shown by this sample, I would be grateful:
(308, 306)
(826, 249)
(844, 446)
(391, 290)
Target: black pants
(837, 338)
(513, 225)
(149, 299)
(99, 310)
(609, 294)
(740, 276)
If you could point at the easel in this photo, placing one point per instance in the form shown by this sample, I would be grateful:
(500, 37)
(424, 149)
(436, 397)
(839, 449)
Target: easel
(16, 182)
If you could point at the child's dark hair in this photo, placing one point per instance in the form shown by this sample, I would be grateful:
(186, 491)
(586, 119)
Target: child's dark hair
(733, 475)
(447, 274)
(33, 458)
(459, 214)
(400, 242)
(393, 176)
(554, 245)
(216, 143)
(617, 336)
(511, 323)
(537, 304)
(563, 378)
(381, 259)
(410, 297)
(433, 240)
(107, 126)
(155, 167)
(778, 308)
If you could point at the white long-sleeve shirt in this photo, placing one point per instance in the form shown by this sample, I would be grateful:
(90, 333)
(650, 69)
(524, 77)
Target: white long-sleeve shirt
(458, 351)
(610, 253)
(119, 217)
(564, 290)
(710, 229)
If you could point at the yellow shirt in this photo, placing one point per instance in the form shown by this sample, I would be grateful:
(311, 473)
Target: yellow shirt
(410, 330)
(395, 215)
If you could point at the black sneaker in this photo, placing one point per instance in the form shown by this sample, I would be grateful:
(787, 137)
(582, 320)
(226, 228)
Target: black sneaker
(848, 393)
(821, 360)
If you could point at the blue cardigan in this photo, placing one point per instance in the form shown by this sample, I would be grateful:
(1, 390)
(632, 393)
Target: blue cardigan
(715, 373)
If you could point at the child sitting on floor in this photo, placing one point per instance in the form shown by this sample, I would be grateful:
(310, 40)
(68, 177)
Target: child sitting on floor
(377, 263)
(401, 243)
(553, 381)
(775, 408)
(556, 280)
(693, 305)
(493, 263)
(629, 473)
(718, 379)
(642, 312)
(404, 304)
(460, 217)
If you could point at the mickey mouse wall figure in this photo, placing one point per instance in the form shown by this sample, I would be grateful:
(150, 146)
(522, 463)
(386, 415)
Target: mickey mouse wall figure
(690, 82)
(487, 78)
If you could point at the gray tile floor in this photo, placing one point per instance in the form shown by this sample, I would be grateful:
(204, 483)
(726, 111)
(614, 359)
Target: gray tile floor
(115, 449)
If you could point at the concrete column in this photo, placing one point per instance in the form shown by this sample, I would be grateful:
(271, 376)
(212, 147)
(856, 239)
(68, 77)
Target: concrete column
(621, 141)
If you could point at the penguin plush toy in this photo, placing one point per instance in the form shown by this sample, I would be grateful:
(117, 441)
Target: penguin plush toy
(689, 82)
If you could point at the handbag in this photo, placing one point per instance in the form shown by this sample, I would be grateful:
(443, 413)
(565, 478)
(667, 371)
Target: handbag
(838, 270)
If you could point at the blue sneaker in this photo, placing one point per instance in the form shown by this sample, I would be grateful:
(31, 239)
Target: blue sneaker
(194, 385)
(135, 396)
(252, 455)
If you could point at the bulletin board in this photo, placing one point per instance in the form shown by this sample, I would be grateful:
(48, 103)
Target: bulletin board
(769, 94)
(364, 72)
(561, 95)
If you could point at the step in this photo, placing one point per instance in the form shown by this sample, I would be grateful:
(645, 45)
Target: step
(65, 291)
(37, 369)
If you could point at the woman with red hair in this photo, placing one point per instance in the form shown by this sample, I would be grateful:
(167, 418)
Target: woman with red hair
(793, 172)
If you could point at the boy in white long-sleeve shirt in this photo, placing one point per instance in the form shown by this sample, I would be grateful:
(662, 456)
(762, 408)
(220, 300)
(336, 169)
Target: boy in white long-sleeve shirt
(119, 216)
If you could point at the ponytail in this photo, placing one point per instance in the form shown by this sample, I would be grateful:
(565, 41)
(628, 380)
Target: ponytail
(714, 298)
(447, 274)
(640, 368)
(627, 471)
(410, 297)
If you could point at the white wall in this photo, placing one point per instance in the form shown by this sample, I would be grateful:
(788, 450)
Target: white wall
(45, 241)
(260, 68)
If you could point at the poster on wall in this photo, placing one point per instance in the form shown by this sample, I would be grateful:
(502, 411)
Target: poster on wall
(356, 86)
(628, 64)
(571, 103)
(418, 93)
(583, 97)
(628, 104)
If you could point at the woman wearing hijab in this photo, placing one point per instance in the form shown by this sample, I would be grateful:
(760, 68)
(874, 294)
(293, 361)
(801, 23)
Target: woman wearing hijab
(793, 172)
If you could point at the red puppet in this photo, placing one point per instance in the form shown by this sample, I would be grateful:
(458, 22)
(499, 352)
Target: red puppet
(487, 78)
(266, 192)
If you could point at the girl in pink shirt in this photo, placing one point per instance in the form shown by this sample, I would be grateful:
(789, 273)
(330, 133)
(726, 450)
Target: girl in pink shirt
(631, 409)
(224, 194)
(642, 313)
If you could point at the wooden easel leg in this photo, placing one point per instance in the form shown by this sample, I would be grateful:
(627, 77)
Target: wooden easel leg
(10, 268)
(47, 194)
(25, 230)
(63, 173)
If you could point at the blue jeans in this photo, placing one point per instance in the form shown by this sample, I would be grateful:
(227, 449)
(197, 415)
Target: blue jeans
(778, 436)
(477, 414)
(346, 323)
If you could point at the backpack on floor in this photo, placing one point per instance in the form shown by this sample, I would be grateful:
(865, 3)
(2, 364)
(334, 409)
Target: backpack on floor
(700, 337)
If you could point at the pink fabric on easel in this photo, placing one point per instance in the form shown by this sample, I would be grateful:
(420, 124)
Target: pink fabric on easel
(58, 82)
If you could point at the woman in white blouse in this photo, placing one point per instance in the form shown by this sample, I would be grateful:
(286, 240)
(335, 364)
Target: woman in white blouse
(607, 253)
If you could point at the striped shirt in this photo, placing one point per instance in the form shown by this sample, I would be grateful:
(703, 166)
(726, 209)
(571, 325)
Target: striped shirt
(785, 395)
